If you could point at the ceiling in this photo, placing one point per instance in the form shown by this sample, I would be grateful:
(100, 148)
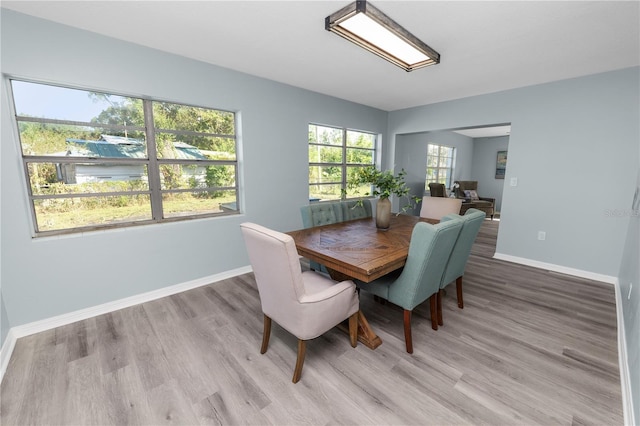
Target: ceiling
(486, 46)
(486, 132)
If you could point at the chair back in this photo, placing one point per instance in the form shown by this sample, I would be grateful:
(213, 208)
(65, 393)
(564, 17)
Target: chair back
(471, 223)
(429, 251)
(351, 210)
(323, 213)
(437, 207)
(437, 190)
(277, 269)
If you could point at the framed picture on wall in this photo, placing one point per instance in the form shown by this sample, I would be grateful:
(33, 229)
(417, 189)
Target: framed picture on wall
(501, 164)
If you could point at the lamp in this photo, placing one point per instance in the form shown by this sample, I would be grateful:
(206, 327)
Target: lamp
(369, 28)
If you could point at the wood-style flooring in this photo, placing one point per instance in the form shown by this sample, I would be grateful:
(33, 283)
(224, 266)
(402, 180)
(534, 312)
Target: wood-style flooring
(530, 347)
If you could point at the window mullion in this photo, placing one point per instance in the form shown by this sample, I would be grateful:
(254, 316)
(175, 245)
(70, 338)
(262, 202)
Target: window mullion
(154, 168)
(343, 184)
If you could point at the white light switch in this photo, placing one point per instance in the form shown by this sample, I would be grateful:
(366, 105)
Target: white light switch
(514, 181)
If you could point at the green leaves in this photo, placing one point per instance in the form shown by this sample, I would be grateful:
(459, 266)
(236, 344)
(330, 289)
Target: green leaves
(384, 184)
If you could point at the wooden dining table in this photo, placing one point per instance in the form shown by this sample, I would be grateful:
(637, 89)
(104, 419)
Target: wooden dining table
(356, 249)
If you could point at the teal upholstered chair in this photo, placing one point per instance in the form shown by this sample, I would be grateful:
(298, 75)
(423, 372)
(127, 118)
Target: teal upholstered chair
(317, 214)
(419, 280)
(351, 210)
(471, 223)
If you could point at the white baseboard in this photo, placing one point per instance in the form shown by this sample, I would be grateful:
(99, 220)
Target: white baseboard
(625, 375)
(82, 314)
(557, 268)
(6, 351)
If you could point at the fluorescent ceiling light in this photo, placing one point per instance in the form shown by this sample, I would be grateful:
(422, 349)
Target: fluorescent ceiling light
(368, 27)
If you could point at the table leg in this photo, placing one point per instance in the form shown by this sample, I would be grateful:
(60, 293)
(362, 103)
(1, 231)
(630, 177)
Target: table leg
(366, 335)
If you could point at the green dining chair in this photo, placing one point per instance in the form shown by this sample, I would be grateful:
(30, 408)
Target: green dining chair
(322, 213)
(471, 223)
(316, 214)
(419, 280)
(354, 209)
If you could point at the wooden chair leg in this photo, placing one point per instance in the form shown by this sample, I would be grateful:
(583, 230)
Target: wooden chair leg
(302, 347)
(433, 306)
(265, 334)
(459, 291)
(439, 308)
(353, 329)
(407, 331)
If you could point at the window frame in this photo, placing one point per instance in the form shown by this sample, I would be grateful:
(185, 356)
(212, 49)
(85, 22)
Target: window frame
(450, 169)
(152, 162)
(344, 164)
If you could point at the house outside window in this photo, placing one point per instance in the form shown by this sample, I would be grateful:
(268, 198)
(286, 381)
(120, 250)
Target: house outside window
(334, 155)
(95, 160)
(440, 165)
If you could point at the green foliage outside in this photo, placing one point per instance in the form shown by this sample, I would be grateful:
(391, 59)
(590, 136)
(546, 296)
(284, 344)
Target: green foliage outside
(326, 150)
(70, 212)
(384, 184)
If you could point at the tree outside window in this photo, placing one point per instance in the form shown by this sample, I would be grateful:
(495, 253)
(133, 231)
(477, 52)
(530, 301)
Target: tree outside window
(335, 154)
(440, 165)
(96, 160)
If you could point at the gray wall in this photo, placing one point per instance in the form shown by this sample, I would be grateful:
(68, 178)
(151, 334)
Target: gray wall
(579, 136)
(5, 325)
(411, 154)
(475, 160)
(574, 147)
(45, 277)
(483, 168)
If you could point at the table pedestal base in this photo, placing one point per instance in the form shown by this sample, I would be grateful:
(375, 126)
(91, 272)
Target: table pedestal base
(366, 335)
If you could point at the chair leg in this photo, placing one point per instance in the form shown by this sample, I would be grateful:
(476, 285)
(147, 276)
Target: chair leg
(353, 329)
(265, 334)
(302, 348)
(439, 308)
(459, 292)
(407, 331)
(433, 306)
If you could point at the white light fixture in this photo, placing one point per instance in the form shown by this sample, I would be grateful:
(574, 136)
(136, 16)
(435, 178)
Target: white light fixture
(368, 27)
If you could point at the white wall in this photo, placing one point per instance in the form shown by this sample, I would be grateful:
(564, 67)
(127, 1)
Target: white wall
(45, 277)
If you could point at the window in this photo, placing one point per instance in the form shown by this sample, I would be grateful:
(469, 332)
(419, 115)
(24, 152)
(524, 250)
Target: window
(440, 164)
(334, 155)
(95, 160)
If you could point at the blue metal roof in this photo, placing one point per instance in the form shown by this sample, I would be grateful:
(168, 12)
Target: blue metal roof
(120, 147)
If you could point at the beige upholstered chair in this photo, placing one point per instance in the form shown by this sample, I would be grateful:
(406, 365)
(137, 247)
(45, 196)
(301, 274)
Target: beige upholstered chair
(437, 207)
(306, 304)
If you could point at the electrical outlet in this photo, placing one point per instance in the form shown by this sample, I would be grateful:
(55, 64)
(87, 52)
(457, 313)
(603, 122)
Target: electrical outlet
(514, 181)
(542, 235)
(629, 294)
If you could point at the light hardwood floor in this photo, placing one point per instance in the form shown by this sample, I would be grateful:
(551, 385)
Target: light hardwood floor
(530, 347)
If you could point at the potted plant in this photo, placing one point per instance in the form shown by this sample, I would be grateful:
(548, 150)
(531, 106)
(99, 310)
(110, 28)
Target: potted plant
(385, 184)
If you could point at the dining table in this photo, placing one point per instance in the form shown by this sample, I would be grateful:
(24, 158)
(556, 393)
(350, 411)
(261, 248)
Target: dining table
(357, 249)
